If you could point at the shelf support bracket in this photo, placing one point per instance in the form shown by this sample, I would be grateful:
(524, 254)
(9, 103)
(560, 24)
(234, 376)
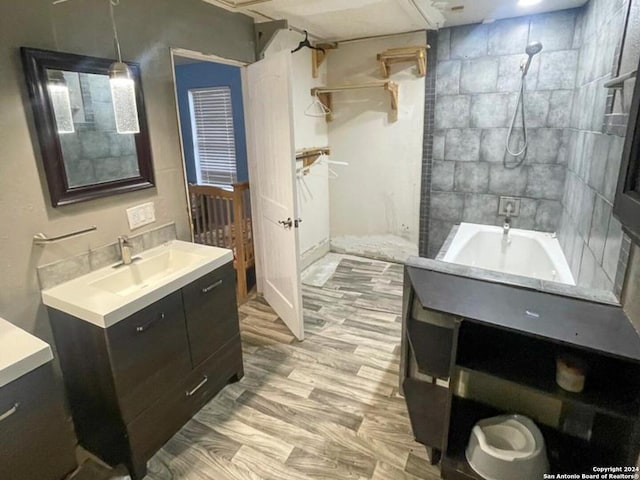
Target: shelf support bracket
(392, 88)
(318, 57)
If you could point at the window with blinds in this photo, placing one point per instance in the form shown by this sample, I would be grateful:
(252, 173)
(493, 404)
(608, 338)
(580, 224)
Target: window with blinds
(213, 136)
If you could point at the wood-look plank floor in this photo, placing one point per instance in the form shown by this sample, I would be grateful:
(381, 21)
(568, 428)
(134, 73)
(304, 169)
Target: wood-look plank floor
(326, 408)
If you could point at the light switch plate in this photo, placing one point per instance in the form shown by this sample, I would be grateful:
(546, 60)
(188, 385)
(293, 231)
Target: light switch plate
(141, 215)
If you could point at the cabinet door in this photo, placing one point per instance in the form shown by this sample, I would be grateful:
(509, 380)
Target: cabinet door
(211, 311)
(149, 354)
(36, 437)
(427, 406)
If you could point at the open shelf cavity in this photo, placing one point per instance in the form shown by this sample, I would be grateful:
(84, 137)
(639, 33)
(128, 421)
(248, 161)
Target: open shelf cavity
(612, 387)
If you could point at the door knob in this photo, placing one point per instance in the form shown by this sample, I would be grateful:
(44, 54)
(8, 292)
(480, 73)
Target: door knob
(288, 223)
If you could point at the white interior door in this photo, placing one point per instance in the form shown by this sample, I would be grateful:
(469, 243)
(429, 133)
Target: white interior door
(272, 164)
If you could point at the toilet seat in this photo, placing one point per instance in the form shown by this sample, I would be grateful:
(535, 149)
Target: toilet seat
(508, 445)
(508, 439)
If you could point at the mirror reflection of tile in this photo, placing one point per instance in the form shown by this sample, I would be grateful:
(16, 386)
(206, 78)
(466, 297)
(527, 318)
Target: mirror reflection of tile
(95, 152)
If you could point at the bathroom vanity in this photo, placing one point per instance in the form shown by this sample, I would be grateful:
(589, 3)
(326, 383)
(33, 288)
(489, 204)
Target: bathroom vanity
(144, 346)
(473, 349)
(36, 434)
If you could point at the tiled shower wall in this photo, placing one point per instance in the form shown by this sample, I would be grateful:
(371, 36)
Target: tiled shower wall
(589, 234)
(478, 77)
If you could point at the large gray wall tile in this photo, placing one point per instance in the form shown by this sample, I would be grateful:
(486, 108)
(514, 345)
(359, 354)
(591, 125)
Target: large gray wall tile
(493, 144)
(444, 44)
(438, 144)
(481, 208)
(612, 170)
(462, 144)
(471, 177)
(469, 41)
(599, 161)
(546, 182)
(448, 77)
(557, 70)
(548, 215)
(599, 228)
(536, 108)
(555, 30)
(544, 145)
(612, 248)
(527, 218)
(508, 36)
(442, 176)
(452, 111)
(479, 75)
(508, 181)
(447, 206)
(510, 73)
(560, 108)
(489, 110)
(438, 232)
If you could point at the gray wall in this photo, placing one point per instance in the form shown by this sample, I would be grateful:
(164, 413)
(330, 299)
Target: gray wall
(147, 29)
(590, 236)
(478, 78)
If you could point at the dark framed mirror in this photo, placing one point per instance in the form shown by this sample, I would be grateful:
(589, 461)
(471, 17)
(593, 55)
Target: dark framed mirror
(84, 154)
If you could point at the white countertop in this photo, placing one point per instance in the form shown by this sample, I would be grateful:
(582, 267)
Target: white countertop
(81, 297)
(20, 352)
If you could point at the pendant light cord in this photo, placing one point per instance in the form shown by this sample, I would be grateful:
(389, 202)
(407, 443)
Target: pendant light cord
(115, 3)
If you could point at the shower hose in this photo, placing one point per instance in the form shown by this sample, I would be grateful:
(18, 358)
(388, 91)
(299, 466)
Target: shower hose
(521, 154)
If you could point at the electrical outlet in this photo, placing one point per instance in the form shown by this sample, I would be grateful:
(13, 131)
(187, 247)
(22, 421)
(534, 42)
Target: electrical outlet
(141, 215)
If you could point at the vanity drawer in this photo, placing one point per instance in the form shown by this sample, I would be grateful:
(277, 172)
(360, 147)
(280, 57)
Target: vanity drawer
(211, 311)
(36, 435)
(156, 425)
(149, 354)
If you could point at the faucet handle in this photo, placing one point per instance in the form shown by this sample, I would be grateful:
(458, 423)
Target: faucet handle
(123, 240)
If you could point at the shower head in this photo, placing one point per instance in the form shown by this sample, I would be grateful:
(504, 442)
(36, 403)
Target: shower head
(532, 49)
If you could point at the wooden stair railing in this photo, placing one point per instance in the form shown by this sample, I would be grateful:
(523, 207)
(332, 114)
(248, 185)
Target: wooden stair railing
(222, 218)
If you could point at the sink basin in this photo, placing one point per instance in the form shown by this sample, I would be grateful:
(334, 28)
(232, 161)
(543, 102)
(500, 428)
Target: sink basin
(111, 294)
(145, 273)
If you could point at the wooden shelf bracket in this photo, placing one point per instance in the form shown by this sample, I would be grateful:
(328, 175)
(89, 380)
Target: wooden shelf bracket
(417, 54)
(318, 57)
(325, 94)
(309, 156)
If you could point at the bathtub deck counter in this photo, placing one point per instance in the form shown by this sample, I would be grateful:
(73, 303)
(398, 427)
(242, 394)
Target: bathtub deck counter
(595, 326)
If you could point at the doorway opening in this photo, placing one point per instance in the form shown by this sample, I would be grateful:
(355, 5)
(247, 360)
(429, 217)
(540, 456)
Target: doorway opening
(210, 105)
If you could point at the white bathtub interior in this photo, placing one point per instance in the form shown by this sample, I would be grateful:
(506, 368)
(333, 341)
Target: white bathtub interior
(521, 252)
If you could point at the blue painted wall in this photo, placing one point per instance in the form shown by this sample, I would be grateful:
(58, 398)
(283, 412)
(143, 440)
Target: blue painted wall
(203, 75)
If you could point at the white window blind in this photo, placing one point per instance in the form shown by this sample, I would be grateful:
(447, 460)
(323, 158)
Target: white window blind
(213, 135)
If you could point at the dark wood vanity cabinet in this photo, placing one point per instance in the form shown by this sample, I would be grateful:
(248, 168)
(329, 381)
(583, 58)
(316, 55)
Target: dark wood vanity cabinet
(36, 434)
(474, 349)
(135, 384)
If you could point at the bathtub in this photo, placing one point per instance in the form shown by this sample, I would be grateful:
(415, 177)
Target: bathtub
(526, 253)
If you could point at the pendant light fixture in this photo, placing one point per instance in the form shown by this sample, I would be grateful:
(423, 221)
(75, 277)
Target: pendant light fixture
(123, 88)
(60, 101)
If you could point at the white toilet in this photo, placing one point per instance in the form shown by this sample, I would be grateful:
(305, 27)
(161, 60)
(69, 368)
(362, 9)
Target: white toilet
(507, 447)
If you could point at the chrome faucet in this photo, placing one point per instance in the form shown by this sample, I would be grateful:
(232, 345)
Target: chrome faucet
(125, 250)
(506, 228)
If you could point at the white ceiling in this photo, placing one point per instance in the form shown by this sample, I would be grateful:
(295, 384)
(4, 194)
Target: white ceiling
(332, 20)
(476, 11)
